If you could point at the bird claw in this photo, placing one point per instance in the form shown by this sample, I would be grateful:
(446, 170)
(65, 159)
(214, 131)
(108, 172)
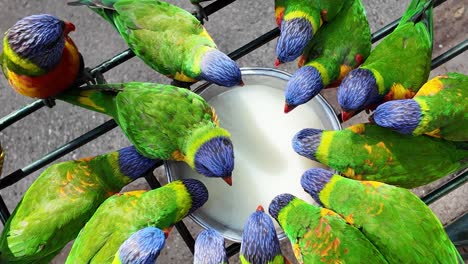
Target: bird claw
(200, 13)
(89, 78)
(49, 102)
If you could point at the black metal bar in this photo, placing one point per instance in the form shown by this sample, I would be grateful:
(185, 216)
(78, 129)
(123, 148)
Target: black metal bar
(20, 114)
(57, 153)
(381, 33)
(233, 249)
(217, 5)
(180, 226)
(450, 54)
(4, 213)
(445, 189)
(254, 44)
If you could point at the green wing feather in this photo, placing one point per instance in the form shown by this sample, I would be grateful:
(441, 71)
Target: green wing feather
(384, 212)
(319, 235)
(100, 239)
(370, 152)
(317, 11)
(158, 119)
(328, 49)
(404, 57)
(66, 194)
(444, 113)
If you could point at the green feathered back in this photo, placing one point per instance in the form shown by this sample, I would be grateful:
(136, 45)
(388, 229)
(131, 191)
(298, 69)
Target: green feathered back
(319, 235)
(167, 38)
(443, 107)
(403, 58)
(122, 215)
(395, 220)
(158, 119)
(56, 206)
(370, 152)
(339, 41)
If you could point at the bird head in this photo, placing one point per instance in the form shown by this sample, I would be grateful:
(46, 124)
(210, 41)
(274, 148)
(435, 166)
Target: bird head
(133, 164)
(197, 191)
(306, 142)
(278, 203)
(403, 116)
(39, 39)
(142, 246)
(314, 180)
(218, 68)
(295, 35)
(302, 87)
(210, 248)
(357, 91)
(215, 158)
(260, 242)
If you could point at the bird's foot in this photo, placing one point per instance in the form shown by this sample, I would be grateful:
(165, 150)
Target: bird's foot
(89, 78)
(49, 102)
(181, 84)
(200, 13)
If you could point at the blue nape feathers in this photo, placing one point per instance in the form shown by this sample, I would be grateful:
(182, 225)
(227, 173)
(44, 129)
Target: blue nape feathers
(278, 203)
(313, 181)
(198, 192)
(142, 247)
(302, 87)
(218, 68)
(358, 90)
(210, 248)
(260, 244)
(295, 35)
(306, 142)
(400, 115)
(132, 164)
(39, 39)
(215, 158)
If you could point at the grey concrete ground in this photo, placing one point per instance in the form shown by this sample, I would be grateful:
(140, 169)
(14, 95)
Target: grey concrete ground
(231, 27)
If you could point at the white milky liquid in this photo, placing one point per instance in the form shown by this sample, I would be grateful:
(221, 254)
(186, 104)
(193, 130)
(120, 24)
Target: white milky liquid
(265, 163)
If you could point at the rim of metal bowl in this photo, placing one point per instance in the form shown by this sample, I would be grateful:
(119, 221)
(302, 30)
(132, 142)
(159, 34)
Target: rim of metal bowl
(264, 72)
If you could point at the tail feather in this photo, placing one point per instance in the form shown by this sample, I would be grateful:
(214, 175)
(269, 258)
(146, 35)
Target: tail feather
(419, 11)
(96, 4)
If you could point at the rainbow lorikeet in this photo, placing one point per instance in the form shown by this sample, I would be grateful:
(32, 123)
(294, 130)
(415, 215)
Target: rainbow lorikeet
(396, 68)
(328, 58)
(260, 244)
(39, 59)
(121, 215)
(168, 39)
(395, 220)
(319, 235)
(210, 248)
(299, 20)
(143, 246)
(164, 122)
(62, 199)
(370, 152)
(439, 109)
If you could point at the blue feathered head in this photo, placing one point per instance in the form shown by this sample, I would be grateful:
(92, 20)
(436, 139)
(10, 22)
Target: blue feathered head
(215, 158)
(209, 248)
(197, 191)
(133, 164)
(400, 115)
(278, 203)
(39, 39)
(143, 247)
(358, 91)
(314, 180)
(218, 68)
(295, 35)
(302, 87)
(307, 141)
(260, 242)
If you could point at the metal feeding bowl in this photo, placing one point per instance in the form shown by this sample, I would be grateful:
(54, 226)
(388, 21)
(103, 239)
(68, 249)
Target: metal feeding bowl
(265, 162)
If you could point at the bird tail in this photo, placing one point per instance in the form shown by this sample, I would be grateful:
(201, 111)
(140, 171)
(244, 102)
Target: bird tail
(419, 11)
(99, 98)
(104, 8)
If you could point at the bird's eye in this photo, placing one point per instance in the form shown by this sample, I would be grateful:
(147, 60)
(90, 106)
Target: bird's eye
(226, 142)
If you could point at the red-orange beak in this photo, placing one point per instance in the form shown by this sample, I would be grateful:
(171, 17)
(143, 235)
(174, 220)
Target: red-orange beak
(346, 115)
(260, 209)
(277, 63)
(167, 231)
(69, 27)
(228, 180)
(288, 108)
